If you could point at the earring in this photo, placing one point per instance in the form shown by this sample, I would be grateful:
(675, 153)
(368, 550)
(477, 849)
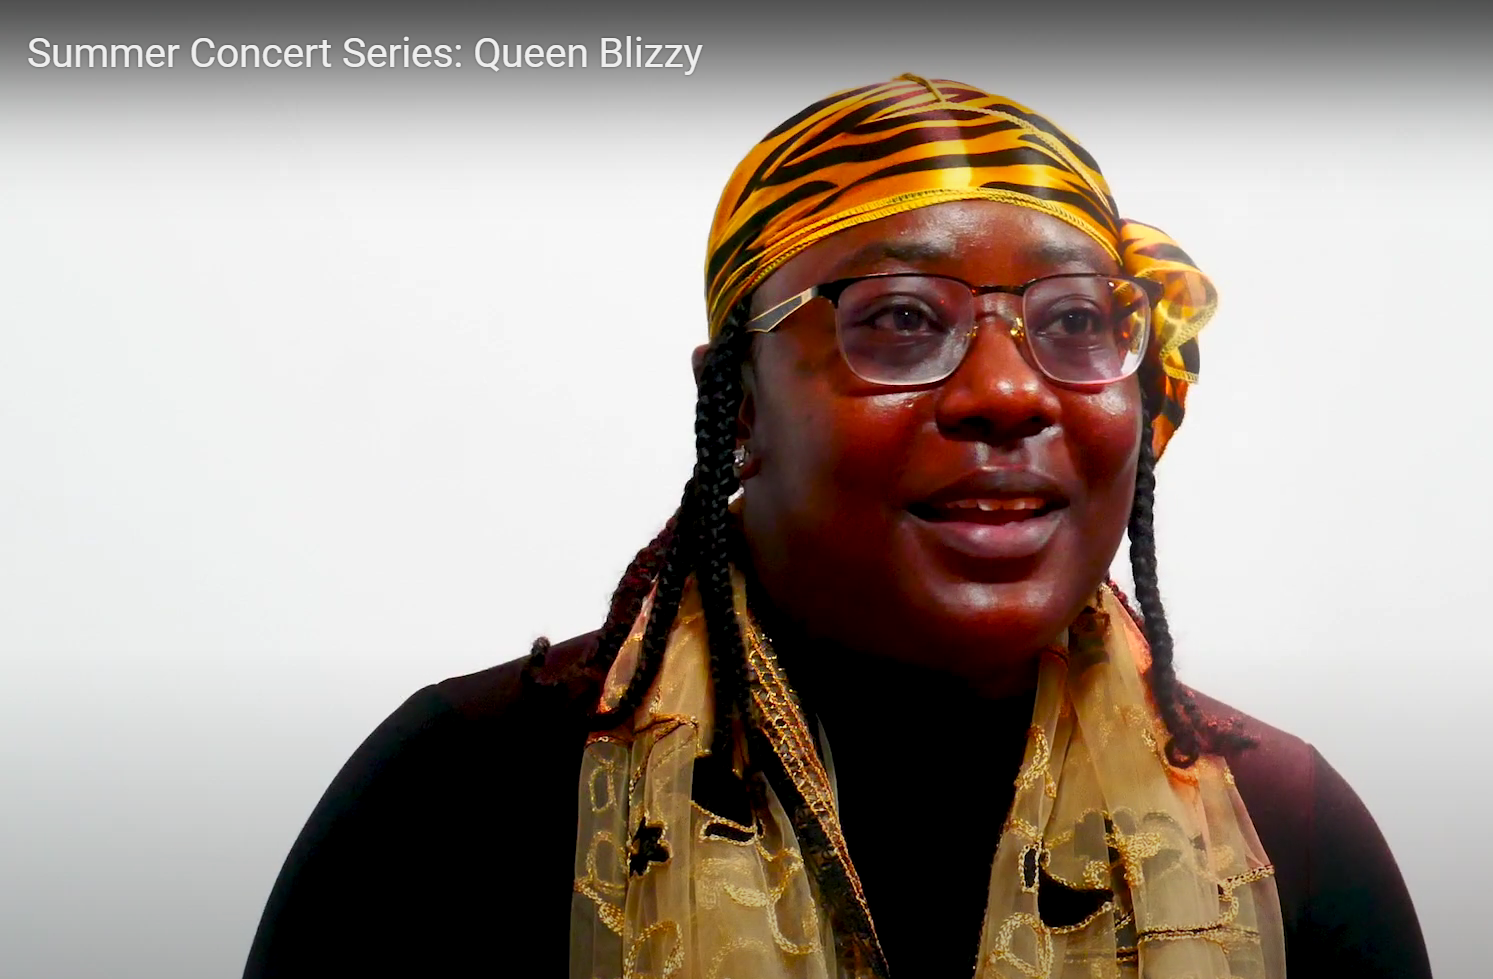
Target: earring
(739, 458)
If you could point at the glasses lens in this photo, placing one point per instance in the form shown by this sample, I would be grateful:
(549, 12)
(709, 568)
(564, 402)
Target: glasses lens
(1084, 329)
(904, 329)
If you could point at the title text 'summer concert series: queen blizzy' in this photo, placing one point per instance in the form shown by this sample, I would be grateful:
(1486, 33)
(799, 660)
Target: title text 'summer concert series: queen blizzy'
(204, 52)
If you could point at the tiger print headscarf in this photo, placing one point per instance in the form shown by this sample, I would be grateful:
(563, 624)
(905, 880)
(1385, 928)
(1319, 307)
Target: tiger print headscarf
(870, 152)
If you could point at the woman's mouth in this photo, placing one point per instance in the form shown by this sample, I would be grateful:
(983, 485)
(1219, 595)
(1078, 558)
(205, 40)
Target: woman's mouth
(991, 526)
(987, 510)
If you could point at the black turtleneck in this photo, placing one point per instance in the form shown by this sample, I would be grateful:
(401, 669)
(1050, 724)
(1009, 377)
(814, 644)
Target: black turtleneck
(924, 790)
(445, 846)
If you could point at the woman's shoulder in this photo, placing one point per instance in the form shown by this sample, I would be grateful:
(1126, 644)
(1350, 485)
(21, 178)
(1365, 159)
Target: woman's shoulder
(471, 779)
(521, 717)
(550, 688)
(1275, 773)
(1343, 899)
(1268, 759)
(553, 677)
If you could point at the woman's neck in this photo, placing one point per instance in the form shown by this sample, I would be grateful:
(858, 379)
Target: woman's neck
(857, 694)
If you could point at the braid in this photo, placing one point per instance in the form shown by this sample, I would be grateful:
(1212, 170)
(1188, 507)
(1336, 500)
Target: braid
(1191, 733)
(668, 590)
(698, 539)
(715, 480)
(627, 602)
(636, 583)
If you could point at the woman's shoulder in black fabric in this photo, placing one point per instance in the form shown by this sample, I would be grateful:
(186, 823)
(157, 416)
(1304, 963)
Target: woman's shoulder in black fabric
(1345, 905)
(445, 843)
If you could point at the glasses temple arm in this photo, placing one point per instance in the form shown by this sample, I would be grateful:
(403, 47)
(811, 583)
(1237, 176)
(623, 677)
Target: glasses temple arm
(769, 318)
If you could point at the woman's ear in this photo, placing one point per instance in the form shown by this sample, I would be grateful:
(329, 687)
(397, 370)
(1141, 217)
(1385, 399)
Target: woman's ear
(747, 413)
(746, 421)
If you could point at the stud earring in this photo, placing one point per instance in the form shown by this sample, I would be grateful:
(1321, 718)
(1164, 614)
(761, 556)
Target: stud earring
(739, 458)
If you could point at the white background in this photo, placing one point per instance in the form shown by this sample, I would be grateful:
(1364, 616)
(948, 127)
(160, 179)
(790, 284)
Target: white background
(306, 404)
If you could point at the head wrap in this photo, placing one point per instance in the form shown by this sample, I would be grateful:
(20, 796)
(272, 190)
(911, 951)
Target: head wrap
(870, 152)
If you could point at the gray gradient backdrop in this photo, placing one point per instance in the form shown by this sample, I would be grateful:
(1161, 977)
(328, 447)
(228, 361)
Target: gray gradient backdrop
(317, 386)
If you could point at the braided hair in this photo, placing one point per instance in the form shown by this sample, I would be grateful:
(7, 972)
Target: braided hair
(697, 541)
(1190, 733)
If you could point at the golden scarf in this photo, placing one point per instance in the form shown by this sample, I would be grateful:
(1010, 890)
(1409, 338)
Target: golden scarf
(668, 889)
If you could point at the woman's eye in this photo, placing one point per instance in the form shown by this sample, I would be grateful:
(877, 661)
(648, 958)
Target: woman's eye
(901, 319)
(1075, 323)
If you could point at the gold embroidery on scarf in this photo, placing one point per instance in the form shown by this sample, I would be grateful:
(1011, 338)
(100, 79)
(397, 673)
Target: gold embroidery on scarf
(675, 959)
(793, 742)
(710, 820)
(1041, 968)
(606, 770)
(715, 879)
(1038, 767)
(729, 948)
(603, 891)
(1187, 879)
(1106, 908)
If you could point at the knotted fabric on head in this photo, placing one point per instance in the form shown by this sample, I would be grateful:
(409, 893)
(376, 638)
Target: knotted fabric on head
(870, 152)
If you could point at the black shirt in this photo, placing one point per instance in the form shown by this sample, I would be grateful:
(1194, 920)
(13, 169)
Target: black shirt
(445, 846)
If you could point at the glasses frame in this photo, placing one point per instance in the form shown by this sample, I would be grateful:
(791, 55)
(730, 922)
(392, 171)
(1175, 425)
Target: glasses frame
(774, 316)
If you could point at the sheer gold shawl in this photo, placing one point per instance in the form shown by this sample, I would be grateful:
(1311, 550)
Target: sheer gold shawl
(666, 889)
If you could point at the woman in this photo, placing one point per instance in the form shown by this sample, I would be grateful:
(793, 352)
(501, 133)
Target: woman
(869, 705)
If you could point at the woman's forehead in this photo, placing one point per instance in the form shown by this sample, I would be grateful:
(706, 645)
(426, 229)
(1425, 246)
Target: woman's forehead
(983, 242)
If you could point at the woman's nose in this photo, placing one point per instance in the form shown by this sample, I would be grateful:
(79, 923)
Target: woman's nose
(996, 394)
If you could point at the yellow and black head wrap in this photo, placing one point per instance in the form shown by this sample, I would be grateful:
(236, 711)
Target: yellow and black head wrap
(873, 151)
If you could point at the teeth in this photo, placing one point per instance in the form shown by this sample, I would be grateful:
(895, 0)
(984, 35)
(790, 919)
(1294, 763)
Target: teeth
(991, 506)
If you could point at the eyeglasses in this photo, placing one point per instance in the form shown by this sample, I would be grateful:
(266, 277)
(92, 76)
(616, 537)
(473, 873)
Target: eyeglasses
(907, 329)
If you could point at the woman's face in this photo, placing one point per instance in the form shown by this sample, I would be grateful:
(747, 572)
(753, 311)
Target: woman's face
(862, 510)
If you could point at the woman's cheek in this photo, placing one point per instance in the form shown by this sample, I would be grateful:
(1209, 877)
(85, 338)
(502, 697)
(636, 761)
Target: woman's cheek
(1103, 434)
(1106, 422)
(874, 437)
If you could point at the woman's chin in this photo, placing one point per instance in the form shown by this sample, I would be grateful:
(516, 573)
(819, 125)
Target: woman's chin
(970, 626)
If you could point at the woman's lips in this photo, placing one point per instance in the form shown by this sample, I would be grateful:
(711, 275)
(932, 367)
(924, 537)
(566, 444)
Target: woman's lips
(991, 528)
(993, 509)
